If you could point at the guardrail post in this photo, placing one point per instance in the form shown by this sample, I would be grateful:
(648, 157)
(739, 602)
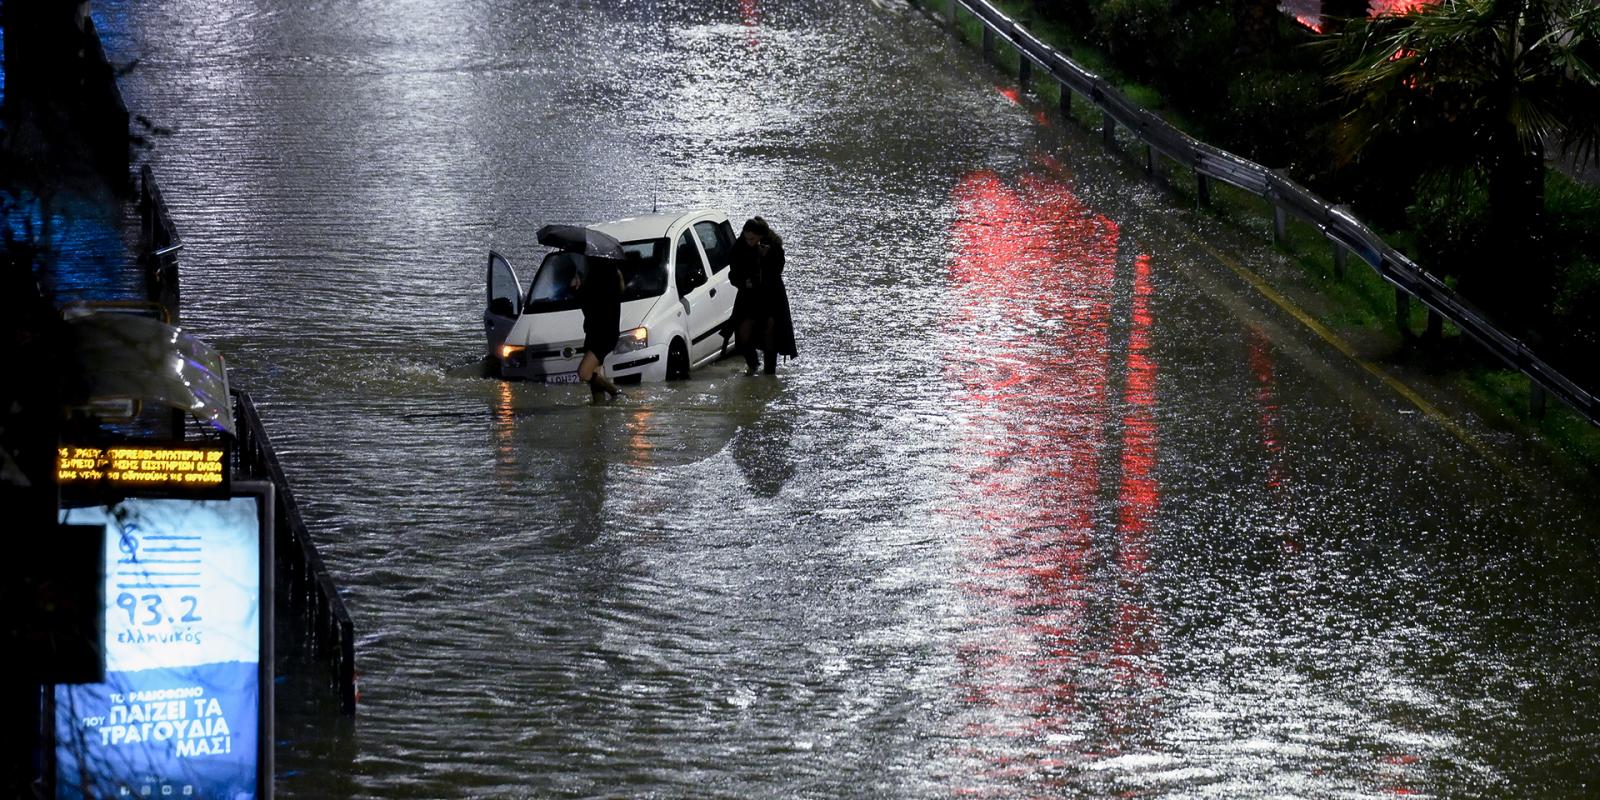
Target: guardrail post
(1537, 400)
(1066, 101)
(1339, 256)
(1024, 70)
(1202, 188)
(988, 45)
(1149, 159)
(1402, 312)
(950, 15)
(1108, 128)
(1435, 329)
(1280, 225)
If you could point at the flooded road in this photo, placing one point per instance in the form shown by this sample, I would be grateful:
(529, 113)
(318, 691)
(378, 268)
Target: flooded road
(1050, 505)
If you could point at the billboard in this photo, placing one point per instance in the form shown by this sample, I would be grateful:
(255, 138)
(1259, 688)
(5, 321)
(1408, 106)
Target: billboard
(185, 710)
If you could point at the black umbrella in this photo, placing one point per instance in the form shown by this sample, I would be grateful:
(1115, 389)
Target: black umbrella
(578, 239)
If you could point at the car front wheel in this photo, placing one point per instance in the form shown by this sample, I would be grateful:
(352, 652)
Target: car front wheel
(677, 360)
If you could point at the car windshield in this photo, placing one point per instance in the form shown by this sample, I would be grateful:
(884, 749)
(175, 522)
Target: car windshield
(644, 269)
(644, 275)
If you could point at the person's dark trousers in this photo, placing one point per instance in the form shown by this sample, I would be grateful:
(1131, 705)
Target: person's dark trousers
(772, 362)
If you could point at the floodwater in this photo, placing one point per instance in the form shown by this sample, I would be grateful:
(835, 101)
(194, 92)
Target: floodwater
(1051, 505)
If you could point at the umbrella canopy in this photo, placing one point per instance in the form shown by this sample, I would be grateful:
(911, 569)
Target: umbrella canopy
(578, 239)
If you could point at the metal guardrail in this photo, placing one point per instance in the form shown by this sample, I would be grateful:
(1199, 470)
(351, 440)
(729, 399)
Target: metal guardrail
(1337, 224)
(307, 598)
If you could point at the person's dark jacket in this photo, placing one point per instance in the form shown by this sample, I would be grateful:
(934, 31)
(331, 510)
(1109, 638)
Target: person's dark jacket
(600, 295)
(757, 272)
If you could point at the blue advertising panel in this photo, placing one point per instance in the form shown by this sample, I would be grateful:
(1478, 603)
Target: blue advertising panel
(185, 710)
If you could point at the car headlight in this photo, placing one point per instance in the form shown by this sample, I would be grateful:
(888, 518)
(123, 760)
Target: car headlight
(636, 339)
(510, 351)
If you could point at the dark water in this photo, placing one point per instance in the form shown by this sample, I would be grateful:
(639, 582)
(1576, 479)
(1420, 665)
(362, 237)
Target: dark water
(1051, 505)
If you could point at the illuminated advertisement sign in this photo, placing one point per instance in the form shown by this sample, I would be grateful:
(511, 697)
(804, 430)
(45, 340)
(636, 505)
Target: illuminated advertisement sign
(82, 471)
(186, 707)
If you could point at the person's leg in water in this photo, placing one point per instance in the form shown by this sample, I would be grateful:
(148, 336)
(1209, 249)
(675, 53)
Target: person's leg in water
(590, 372)
(769, 345)
(747, 343)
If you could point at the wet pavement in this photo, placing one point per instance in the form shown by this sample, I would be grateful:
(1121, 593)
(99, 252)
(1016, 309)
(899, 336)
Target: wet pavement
(1052, 504)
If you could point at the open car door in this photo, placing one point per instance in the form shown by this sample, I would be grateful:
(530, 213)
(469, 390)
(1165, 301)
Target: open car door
(504, 303)
(699, 297)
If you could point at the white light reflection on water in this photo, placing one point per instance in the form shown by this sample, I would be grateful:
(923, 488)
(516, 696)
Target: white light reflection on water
(1064, 514)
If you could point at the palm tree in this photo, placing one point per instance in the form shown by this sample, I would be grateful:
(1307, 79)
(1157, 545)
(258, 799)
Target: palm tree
(1484, 85)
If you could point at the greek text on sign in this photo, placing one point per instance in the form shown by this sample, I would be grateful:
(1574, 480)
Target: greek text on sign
(141, 466)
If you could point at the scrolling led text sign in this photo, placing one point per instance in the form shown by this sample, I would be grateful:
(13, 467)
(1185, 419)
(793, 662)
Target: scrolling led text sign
(163, 470)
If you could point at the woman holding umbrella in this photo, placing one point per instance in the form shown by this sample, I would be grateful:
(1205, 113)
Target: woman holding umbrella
(598, 284)
(761, 309)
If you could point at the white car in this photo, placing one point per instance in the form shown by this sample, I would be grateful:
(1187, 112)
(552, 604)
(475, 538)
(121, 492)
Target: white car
(676, 302)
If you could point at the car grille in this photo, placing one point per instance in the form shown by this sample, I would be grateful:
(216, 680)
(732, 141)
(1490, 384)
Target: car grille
(547, 350)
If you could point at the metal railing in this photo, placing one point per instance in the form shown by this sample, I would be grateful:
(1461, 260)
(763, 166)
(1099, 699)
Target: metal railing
(1337, 224)
(158, 245)
(308, 602)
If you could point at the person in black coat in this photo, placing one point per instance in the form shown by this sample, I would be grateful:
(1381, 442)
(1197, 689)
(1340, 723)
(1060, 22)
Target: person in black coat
(599, 287)
(761, 309)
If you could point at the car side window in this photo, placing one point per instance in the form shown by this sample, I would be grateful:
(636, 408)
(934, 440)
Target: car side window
(689, 267)
(717, 241)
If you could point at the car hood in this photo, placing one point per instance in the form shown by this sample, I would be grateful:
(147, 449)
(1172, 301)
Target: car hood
(559, 327)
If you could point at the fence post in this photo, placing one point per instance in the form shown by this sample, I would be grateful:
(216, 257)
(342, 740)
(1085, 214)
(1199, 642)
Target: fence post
(1280, 225)
(1024, 70)
(1108, 128)
(347, 668)
(1202, 186)
(147, 224)
(1339, 255)
(988, 44)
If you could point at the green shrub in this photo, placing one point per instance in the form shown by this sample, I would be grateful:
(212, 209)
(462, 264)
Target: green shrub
(1572, 217)
(1266, 114)
(1077, 15)
(1203, 43)
(1449, 222)
(1137, 33)
(1577, 319)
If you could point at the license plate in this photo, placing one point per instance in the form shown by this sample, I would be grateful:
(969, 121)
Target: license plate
(562, 377)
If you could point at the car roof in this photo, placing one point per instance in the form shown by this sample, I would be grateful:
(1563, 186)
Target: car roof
(653, 226)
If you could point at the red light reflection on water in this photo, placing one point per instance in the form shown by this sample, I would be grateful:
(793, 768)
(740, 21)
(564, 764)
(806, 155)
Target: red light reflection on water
(1139, 494)
(1055, 665)
(1263, 367)
(750, 18)
(1014, 95)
